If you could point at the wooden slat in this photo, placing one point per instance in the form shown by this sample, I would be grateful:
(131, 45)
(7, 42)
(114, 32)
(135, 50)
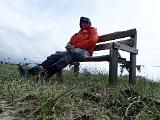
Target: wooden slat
(102, 58)
(104, 38)
(95, 59)
(117, 35)
(128, 42)
(106, 46)
(125, 48)
(103, 46)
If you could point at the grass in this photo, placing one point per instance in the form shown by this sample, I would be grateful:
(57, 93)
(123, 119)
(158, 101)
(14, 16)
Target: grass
(86, 98)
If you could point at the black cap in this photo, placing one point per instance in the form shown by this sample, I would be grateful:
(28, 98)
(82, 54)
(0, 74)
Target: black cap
(84, 20)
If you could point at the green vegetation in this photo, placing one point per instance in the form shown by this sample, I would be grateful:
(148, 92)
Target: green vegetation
(86, 98)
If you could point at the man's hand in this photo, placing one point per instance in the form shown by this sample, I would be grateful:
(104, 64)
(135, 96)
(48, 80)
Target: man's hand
(70, 47)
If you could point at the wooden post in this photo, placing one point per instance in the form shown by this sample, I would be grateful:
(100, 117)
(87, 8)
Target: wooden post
(132, 66)
(76, 69)
(132, 69)
(59, 75)
(113, 66)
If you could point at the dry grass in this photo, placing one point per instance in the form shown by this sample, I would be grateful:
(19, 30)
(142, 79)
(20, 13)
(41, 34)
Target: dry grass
(88, 98)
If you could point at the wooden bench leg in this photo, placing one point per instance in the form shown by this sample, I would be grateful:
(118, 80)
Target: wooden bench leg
(59, 75)
(132, 69)
(132, 66)
(76, 69)
(113, 66)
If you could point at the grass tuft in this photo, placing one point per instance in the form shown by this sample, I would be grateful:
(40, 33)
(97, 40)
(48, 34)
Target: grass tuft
(87, 98)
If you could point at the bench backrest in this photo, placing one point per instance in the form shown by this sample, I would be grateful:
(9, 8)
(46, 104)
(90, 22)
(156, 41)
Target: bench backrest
(129, 35)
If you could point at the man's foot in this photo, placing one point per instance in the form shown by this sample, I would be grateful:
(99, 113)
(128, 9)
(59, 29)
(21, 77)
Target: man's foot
(39, 71)
(22, 71)
(42, 72)
(35, 71)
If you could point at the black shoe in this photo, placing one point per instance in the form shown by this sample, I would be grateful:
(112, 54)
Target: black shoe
(42, 72)
(38, 71)
(22, 71)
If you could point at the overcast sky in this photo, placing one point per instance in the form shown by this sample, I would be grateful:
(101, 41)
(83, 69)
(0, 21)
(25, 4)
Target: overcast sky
(35, 29)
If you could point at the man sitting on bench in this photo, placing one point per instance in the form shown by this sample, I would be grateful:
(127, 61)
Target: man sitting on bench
(80, 45)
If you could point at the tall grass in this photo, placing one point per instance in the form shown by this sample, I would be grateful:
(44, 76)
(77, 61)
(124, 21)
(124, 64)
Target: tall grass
(88, 98)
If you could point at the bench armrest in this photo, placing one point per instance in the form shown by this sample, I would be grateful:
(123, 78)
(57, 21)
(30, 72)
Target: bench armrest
(126, 48)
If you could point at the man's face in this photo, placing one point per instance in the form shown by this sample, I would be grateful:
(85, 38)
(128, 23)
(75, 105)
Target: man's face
(84, 25)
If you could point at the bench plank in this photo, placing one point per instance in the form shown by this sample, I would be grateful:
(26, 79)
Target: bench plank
(128, 42)
(103, 46)
(95, 58)
(117, 35)
(125, 48)
(102, 58)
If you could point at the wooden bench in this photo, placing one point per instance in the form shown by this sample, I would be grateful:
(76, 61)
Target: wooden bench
(127, 43)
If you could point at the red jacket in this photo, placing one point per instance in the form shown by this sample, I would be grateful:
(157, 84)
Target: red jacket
(85, 39)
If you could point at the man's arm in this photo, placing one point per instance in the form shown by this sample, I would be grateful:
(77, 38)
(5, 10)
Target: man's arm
(69, 45)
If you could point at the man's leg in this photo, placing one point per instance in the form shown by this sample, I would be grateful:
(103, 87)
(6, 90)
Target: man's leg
(67, 58)
(61, 63)
(52, 59)
(79, 53)
(58, 61)
(54, 63)
(44, 66)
